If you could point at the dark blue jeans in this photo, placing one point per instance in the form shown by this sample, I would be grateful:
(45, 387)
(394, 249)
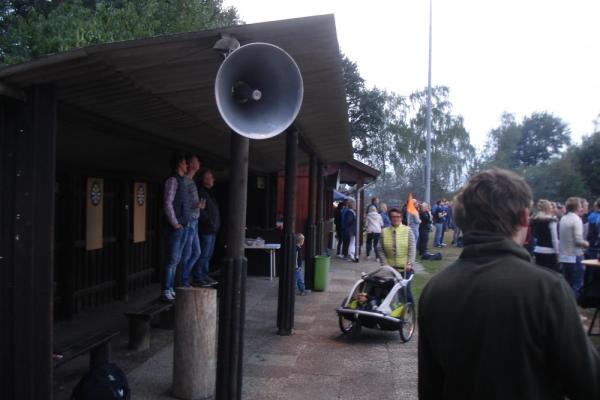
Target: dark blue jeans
(191, 251)
(573, 273)
(207, 244)
(175, 241)
(373, 242)
(300, 280)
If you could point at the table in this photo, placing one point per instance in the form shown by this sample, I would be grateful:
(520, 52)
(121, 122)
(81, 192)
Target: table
(271, 248)
(591, 263)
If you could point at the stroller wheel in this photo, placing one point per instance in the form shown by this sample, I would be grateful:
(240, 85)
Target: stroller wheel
(345, 325)
(409, 319)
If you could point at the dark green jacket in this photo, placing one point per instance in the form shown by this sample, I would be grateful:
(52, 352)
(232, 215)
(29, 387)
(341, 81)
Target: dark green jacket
(492, 325)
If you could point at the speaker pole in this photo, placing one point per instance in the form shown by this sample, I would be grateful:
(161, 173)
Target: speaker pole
(232, 291)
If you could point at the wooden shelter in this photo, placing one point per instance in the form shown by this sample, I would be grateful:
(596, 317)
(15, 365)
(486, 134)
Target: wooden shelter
(91, 125)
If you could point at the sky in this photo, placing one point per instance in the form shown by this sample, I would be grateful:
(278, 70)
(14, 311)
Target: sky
(516, 56)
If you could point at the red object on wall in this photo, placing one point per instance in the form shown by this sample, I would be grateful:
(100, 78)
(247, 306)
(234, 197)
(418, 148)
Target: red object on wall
(301, 198)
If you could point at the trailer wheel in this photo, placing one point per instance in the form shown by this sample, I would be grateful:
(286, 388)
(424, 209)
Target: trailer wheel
(408, 322)
(345, 325)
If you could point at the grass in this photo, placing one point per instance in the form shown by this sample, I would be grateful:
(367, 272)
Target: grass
(449, 254)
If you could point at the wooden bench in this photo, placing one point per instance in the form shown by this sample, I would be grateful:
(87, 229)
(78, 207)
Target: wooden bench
(139, 323)
(97, 345)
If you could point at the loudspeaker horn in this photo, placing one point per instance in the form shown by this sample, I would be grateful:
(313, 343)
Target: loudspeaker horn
(259, 90)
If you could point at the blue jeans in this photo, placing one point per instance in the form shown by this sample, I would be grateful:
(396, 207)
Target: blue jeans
(299, 280)
(175, 241)
(191, 251)
(439, 227)
(573, 273)
(207, 244)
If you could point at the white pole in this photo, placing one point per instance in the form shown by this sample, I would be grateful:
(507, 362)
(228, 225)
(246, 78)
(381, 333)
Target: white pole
(428, 148)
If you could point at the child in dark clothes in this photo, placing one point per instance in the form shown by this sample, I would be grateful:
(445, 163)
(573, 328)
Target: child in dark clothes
(299, 279)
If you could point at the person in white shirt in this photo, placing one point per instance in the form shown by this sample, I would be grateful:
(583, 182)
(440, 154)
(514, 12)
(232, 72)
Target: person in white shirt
(373, 224)
(571, 245)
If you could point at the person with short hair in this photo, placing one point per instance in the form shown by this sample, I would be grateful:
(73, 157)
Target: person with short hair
(439, 219)
(383, 211)
(492, 325)
(208, 227)
(572, 245)
(191, 248)
(339, 226)
(424, 228)
(593, 236)
(298, 270)
(177, 203)
(349, 230)
(397, 248)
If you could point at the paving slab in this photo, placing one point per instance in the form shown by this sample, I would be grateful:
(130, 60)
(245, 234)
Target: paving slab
(317, 361)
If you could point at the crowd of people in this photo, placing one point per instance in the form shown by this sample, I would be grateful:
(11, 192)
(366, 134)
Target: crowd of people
(561, 237)
(419, 217)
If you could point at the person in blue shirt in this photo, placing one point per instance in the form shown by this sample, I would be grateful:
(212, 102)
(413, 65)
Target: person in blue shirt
(439, 219)
(384, 215)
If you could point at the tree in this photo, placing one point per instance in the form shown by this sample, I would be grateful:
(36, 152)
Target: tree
(542, 137)
(556, 180)
(451, 149)
(35, 29)
(588, 160)
(501, 146)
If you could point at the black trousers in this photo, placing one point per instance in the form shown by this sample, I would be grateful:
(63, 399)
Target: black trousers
(548, 260)
(422, 242)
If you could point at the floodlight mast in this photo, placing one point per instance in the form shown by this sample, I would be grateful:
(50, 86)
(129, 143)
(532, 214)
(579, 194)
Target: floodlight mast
(428, 145)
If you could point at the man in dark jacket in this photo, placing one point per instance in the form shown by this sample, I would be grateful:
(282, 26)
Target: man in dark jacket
(208, 226)
(492, 325)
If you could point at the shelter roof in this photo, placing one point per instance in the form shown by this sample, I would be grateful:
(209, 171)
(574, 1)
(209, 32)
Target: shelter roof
(351, 172)
(162, 89)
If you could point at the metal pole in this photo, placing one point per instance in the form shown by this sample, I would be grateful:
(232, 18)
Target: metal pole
(428, 150)
(232, 291)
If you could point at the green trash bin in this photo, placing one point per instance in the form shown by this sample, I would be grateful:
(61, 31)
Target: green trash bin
(321, 273)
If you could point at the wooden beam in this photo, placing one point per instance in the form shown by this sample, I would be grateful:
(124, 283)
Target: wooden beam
(286, 299)
(12, 92)
(32, 186)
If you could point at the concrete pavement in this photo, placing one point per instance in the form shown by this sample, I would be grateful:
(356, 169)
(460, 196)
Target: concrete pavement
(315, 363)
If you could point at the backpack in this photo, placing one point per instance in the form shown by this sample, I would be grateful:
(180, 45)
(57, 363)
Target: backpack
(432, 256)
(104, 381)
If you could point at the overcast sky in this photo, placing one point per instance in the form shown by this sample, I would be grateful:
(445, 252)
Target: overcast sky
(518, 56)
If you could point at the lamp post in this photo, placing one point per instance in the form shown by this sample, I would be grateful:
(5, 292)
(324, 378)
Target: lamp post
(428, 145)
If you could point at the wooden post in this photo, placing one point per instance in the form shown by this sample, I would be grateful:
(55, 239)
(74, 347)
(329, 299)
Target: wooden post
(286, 300)
(125, 203)
(195, 339)
(311, 231)
(28, 132)
(72, 196)
(232, 289)
(320, 207)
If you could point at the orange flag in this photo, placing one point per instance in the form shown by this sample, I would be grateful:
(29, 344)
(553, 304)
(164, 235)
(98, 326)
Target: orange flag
(410, 206)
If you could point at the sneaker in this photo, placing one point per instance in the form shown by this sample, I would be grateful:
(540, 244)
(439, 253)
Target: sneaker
(210, 280)
(303, 293)
(167, 297)
(443, 245)
(340, 256)
(173, 293)
(202, 283)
